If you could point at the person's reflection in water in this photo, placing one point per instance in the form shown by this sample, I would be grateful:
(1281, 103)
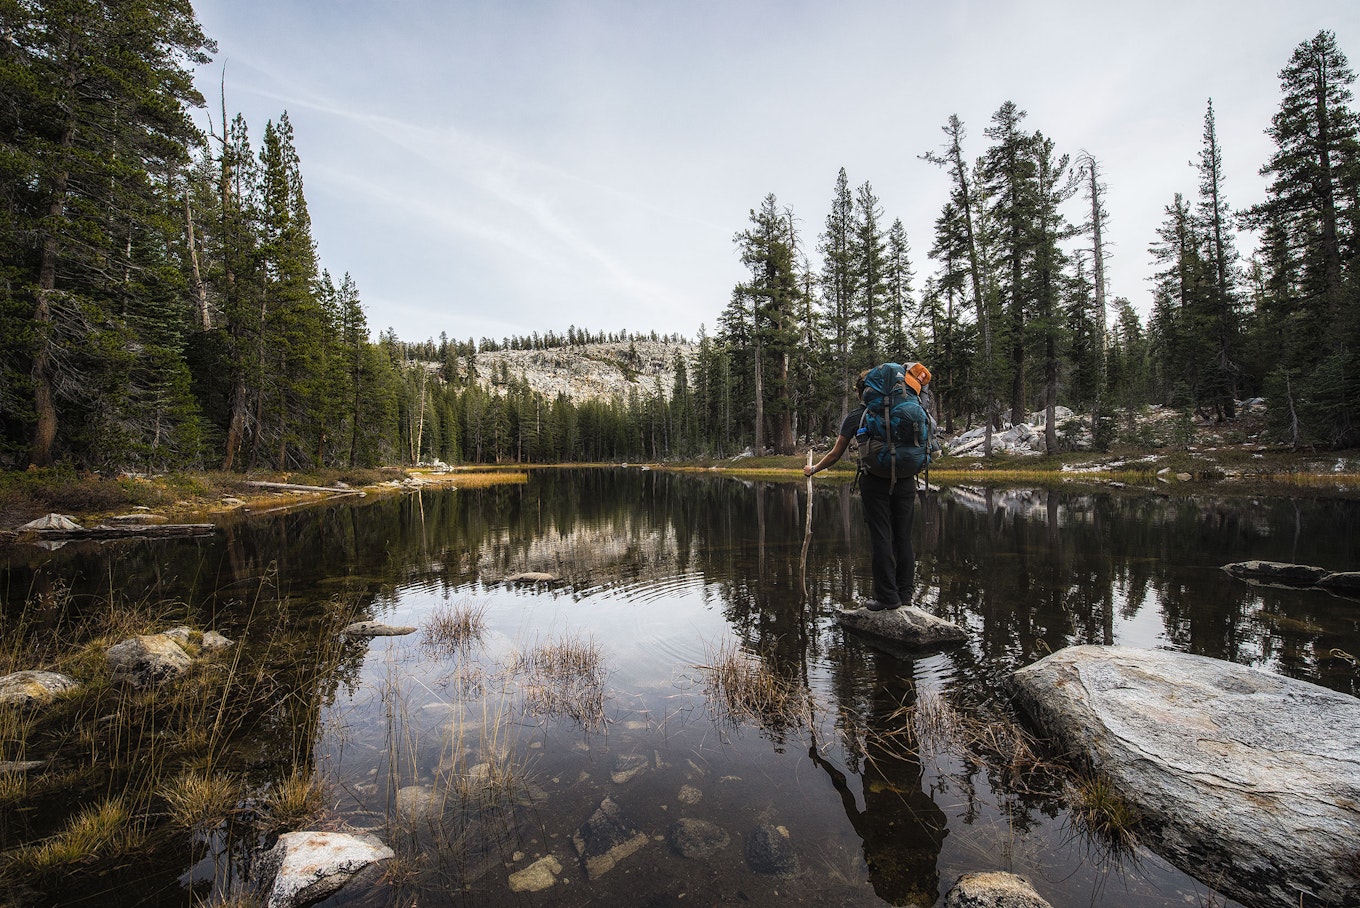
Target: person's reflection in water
(901, 826)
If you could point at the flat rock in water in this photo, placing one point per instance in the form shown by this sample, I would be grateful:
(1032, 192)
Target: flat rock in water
(376, 629)
(1248, 780)
(31, 688)
(532, 577)
(306, 867)
(906, 625)
(605, 839)
(993, 889)
(1277, 572)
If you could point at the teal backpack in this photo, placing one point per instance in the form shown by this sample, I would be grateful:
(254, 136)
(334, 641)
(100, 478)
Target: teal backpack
(894, 433)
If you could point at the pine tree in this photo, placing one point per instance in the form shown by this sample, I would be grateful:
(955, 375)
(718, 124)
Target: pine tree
(1310, 235)
(899, 297)
(1008, 184)
(94, 129)
(869, 249)
(965, 205)
(1222, 317)
(836, 245)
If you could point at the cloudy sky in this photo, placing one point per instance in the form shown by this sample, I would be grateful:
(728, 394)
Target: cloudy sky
(496, 168)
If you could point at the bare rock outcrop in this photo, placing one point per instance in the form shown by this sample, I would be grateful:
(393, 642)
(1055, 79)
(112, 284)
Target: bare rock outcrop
(1245, 777)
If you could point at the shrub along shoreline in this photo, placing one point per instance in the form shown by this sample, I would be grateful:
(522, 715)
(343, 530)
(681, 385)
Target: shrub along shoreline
(189, 496)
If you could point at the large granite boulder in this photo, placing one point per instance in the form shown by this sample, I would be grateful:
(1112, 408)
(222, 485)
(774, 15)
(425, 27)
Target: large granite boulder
(33, 688)
(147, 659)
(1246, 779)
(306, 867)
(906, 626)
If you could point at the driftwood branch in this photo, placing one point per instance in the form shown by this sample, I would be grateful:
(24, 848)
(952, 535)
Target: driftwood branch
(290, 487)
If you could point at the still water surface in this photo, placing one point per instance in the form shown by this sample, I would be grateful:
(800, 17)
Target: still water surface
(661, 574)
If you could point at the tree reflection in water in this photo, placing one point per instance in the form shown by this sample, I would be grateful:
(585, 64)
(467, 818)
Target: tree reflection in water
(655, 564)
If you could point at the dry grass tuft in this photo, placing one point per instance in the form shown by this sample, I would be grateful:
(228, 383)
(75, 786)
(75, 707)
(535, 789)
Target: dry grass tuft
(933, 724)
(564, 677)
(295, 801)
(93, 833)
(741, 687)
(199, 801)
(454, 629)
(1104, 813)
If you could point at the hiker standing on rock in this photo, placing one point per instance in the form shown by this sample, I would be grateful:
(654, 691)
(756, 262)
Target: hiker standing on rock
(892, 431)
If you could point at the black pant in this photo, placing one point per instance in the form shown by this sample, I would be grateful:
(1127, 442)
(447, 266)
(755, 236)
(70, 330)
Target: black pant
(888, 515)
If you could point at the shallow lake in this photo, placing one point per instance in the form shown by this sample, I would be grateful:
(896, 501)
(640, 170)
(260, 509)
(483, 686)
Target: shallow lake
(873, 776)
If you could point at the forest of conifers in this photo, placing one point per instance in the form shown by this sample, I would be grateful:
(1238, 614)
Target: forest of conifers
(162, 304)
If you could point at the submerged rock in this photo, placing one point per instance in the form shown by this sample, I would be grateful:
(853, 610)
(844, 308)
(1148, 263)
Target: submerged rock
(1277, 572)
(306, 867)
(605, 839)
(770, 851)
(907, 625)
(697, 838)
(147, 659)
(33, 688)
(1246, 778)
(419, 804)
(627, 767)
(539, 875)
(376, 629)
(993, 890)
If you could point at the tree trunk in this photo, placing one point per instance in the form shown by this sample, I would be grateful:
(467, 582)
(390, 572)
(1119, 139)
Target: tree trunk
(44, 403)
(200, 289)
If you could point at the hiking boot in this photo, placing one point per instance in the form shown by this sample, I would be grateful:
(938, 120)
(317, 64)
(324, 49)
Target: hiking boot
(874, 605)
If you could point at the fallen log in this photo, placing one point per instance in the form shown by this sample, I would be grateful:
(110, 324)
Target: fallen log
(112, 532)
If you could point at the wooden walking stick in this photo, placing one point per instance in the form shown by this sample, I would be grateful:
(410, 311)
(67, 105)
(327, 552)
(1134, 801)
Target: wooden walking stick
(807, 534)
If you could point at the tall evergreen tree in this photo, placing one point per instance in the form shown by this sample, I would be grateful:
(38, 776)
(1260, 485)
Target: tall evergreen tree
(836, 245)
(1008, 175)
(1310, 234)
(94, 128)
(869, 247)
(899, 297)
(965, 205)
